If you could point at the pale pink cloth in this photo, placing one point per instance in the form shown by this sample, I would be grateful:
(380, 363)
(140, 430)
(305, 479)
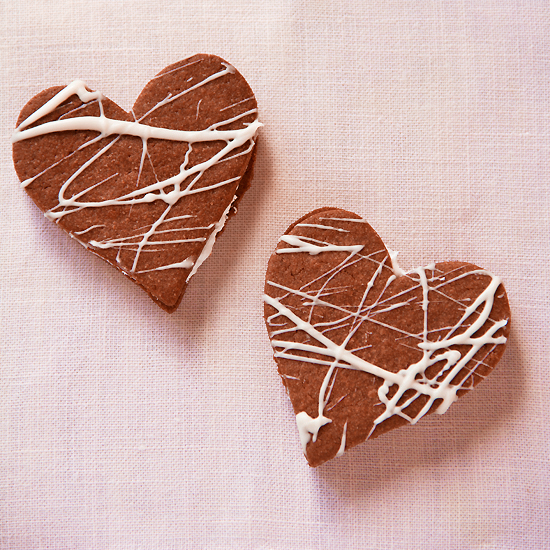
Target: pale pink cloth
(122, 427)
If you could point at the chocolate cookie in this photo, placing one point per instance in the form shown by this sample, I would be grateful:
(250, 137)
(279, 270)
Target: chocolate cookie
(363, 347)
(149, 190)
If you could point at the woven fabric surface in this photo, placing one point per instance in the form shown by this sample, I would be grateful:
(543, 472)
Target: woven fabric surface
(123, 427)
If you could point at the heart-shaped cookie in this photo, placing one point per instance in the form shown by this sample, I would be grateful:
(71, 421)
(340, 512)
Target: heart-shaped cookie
(149, 190)
(363, 347)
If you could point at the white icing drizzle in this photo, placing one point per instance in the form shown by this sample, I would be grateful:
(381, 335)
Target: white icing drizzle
(186, 264)
(88, 229)
(305, 244)
(319, 226)
(308, 427)
(398, 272)
(168, 191)
(343, 441)
(337, 356)
(112, 126)
(207, 248)
(235, 104)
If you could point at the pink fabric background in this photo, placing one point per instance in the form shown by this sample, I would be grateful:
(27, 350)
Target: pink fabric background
(122, 427)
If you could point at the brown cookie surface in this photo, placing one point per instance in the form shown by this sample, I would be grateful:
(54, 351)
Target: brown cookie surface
(363, 347)
(149, 190)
